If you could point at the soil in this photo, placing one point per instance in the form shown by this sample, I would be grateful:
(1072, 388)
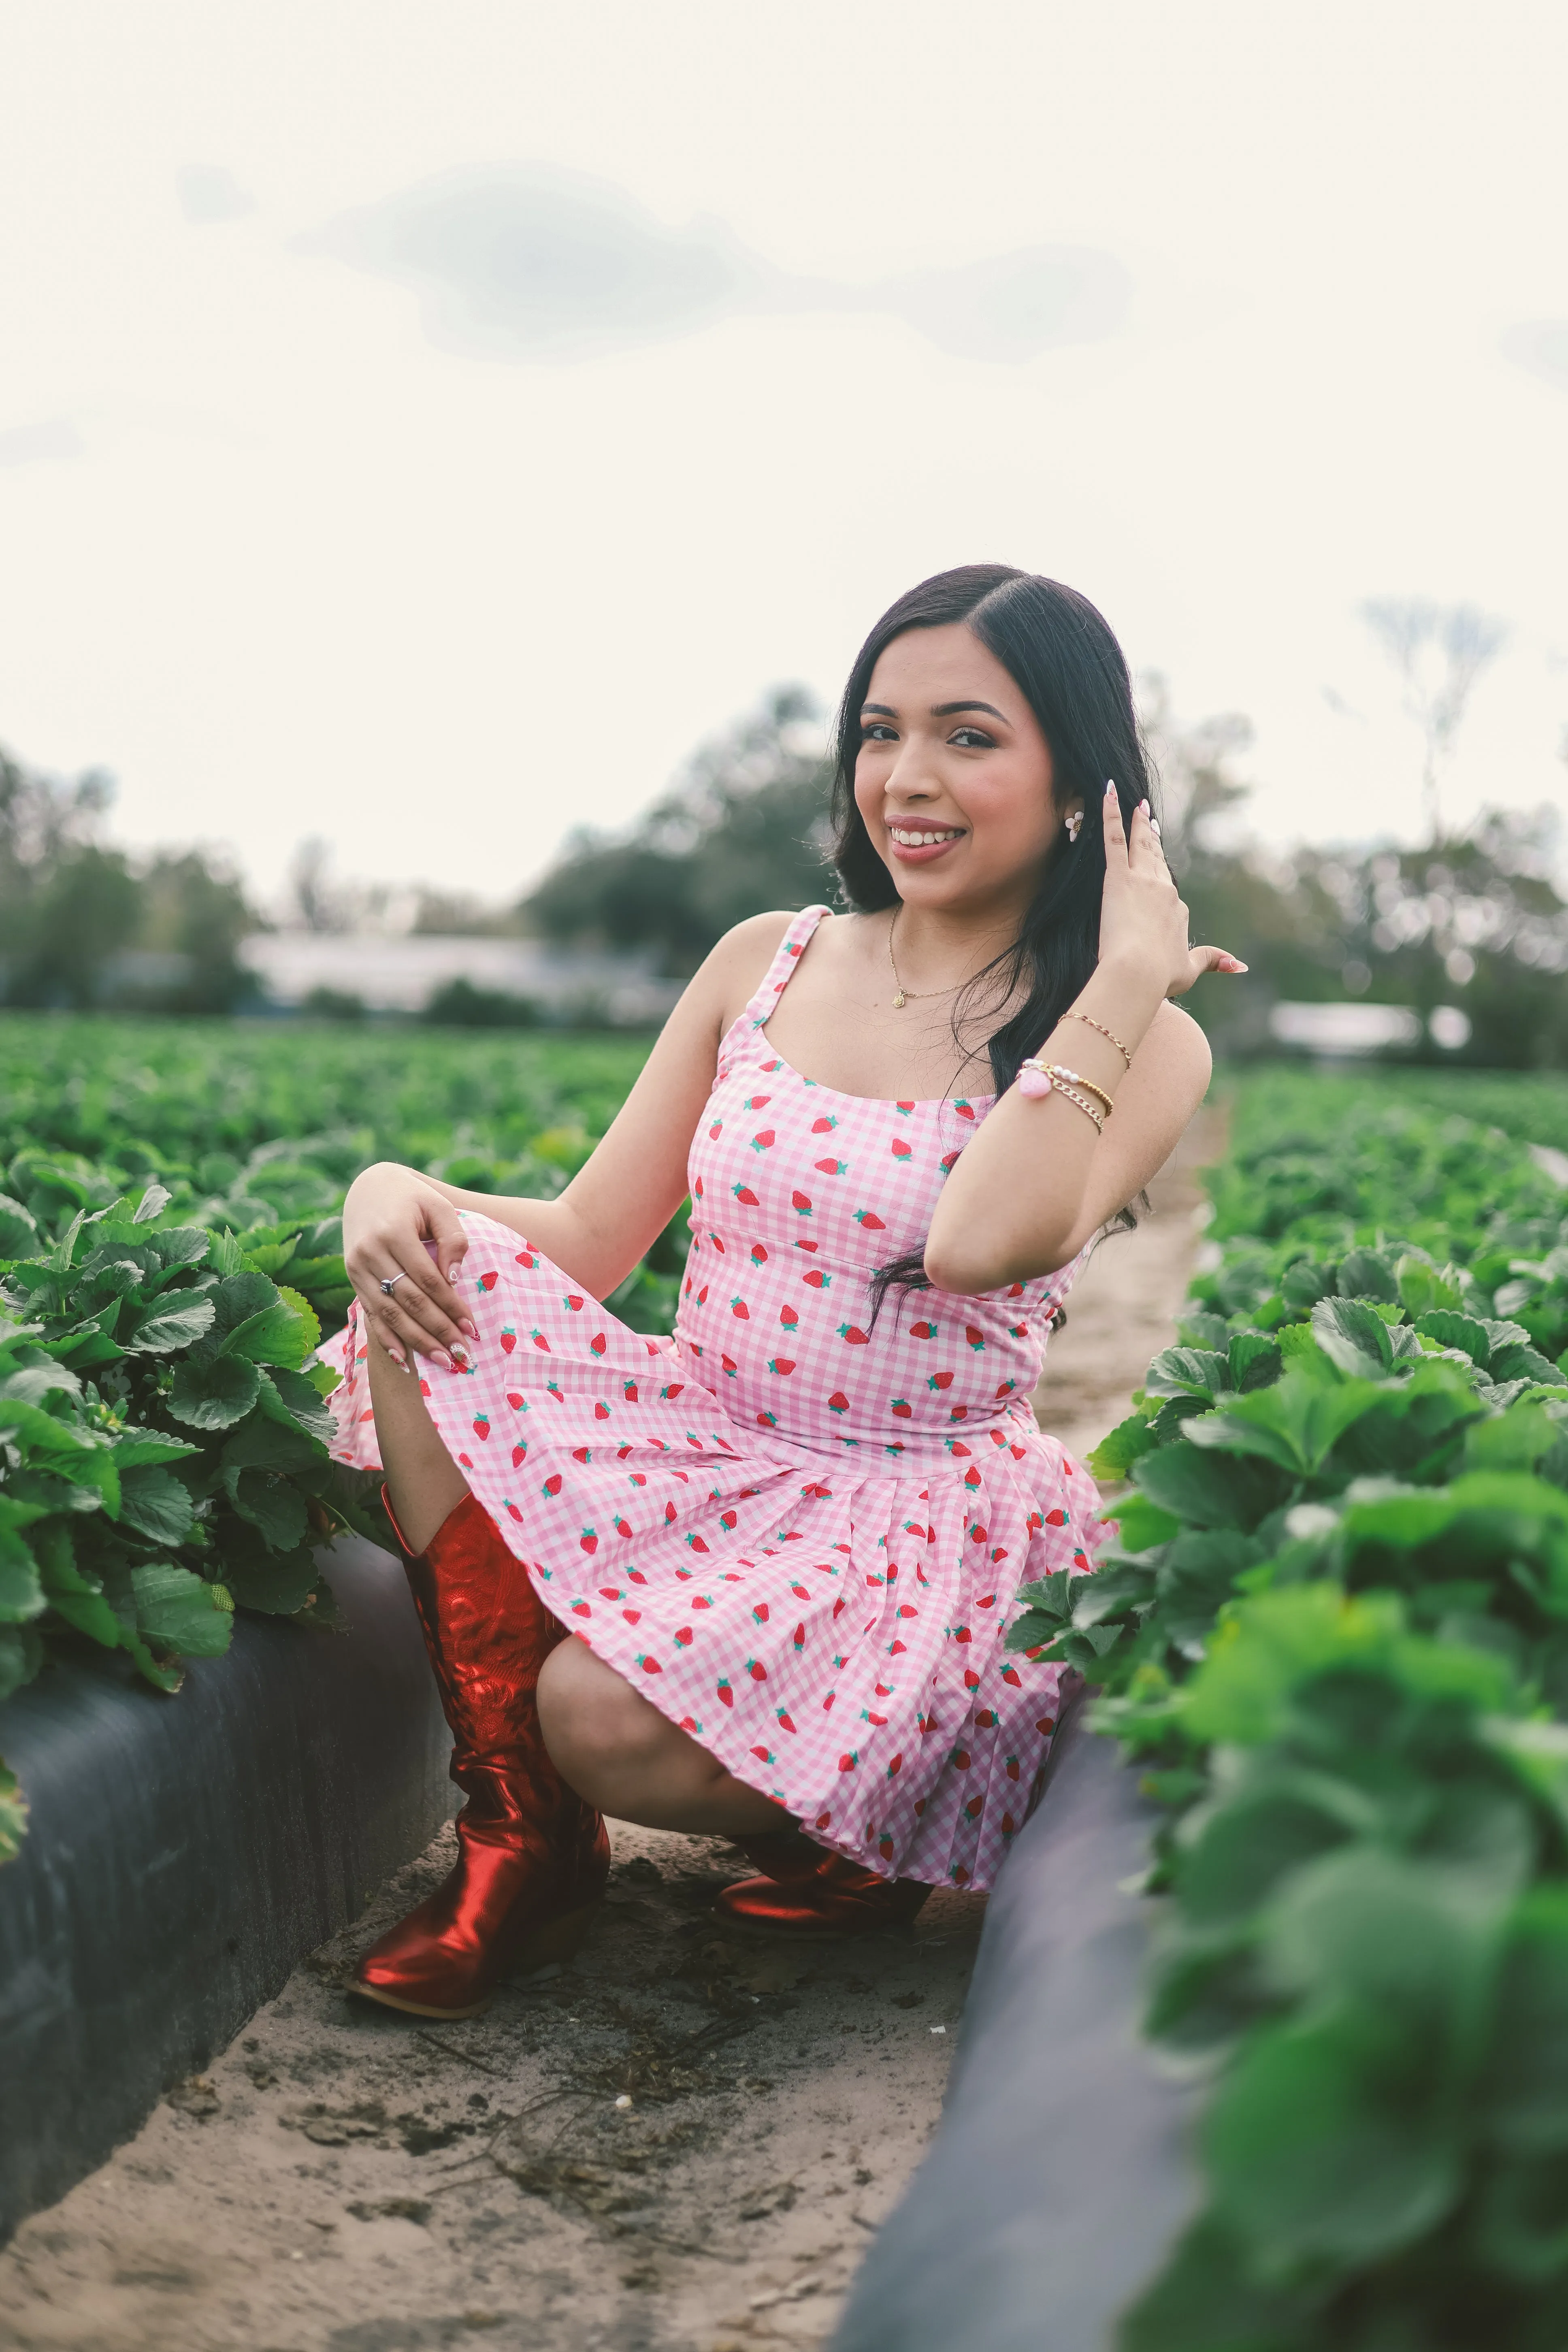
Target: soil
(678, 2143)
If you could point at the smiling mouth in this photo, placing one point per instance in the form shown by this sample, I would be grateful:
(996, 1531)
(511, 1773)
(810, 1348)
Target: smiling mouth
(925, 836)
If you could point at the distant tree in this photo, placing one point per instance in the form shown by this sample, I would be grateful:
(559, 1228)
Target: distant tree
(72, 906)
(194, 907)
(1475, 921)
(459, 1004)
(744, 829)
(333, 1004)
(1439, 651)
(67, 903)
(316, 902)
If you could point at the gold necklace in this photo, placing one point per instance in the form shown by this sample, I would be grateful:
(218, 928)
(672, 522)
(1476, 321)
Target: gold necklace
(902, 994)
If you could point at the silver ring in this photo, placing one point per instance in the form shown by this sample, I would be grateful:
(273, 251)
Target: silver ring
(391, 1281)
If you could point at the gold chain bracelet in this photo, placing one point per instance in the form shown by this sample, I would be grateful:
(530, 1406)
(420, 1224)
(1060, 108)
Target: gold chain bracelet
(1090, 1023)
(1037, 1078)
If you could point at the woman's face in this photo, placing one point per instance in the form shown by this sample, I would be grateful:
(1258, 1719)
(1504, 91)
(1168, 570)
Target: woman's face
(954, 777)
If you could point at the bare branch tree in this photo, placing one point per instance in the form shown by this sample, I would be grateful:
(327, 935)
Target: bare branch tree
(1439, 651)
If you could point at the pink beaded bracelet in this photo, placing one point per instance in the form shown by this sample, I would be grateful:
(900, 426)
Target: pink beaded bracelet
(1038, 1078)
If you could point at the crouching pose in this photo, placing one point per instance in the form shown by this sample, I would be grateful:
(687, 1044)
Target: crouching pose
(788, 1540)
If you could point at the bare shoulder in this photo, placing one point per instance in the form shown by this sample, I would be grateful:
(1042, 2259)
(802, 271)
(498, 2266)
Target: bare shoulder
(733, 969)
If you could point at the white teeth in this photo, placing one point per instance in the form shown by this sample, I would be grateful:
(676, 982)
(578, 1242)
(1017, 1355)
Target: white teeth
(906, 840)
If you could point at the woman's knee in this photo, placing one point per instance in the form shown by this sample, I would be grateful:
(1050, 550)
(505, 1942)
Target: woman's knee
(595, 1725)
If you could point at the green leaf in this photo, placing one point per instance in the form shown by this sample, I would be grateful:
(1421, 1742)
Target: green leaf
(225, 1254)
(279, 1586)
(1141, 1524)
(22, 1594)
(1514, 1439)
(1114, 1455)
(18, 1232)
(1313, 2155)
(268, 1444)
(271, 1257)
(175, 1322)
(1523, 2083)
(21, 1655)
(155, 1504)
(308, 1317)
(1187, 1372)
(1422, 1288)
(238, 1297)
(1295, 1423)
(178, 1247)
(278, 1334)
(1352, 1337)
(1196, 1329)
(175, 1608)
(152, 1204)
(1255, 1360)
(1460, 1331)
(141, 1449)
(275, 1508)
(1208, 2299)
(1366, 1274)
(214, 1393)
(1305, 1284)
(1516, 1361)
(1197, 1576)
(1205, 1489)
(292, 1399)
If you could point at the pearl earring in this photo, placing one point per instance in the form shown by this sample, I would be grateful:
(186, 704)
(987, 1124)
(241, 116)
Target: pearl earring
(1073, 824)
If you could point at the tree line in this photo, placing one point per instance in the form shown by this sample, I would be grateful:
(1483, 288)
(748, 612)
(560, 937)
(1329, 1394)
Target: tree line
(1472, 920)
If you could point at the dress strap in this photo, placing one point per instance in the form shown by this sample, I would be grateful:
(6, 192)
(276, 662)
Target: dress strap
(761, 1007)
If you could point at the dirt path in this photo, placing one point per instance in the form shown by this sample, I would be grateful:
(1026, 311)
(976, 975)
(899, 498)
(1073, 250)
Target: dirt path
(679, 2143)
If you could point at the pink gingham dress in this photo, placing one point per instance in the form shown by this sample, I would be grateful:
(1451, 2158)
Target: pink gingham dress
(799, 1535)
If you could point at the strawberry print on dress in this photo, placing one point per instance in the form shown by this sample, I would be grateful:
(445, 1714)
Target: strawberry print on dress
(797, 1526)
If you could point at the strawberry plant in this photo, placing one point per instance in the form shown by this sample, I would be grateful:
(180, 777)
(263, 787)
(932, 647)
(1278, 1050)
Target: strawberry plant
(162, 1432)
(1331, 1622)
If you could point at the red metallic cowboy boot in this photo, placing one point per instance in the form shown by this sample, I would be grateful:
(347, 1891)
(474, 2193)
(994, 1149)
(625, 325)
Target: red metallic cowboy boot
(812, 1894)
(532, 1857)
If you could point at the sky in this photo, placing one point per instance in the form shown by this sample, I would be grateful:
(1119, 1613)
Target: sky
(421, 424)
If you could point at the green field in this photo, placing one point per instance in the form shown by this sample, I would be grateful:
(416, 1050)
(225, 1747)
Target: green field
(178, 1092)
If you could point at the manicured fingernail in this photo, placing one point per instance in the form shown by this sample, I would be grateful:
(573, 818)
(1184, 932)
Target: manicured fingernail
(1154, 824)
(1109, 788)
(454, 1270)
(459, 1353)
(445, 1360)
(470, 1327)
(397, 1358)
(1144, 807)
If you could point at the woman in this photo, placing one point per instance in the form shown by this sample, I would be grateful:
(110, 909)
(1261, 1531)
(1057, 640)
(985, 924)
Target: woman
(790, 1538)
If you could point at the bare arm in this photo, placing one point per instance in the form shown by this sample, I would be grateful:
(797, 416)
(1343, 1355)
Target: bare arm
(612, 1211)
(1039, 1180)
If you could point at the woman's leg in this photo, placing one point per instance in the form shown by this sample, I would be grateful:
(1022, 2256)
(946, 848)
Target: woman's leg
(422, 1482)
(626, 1758)
(619, 1753)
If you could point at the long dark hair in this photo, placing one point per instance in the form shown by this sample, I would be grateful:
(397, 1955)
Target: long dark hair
(1064, 658)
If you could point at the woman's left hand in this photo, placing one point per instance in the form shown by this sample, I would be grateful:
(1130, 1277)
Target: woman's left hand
(1142, 919)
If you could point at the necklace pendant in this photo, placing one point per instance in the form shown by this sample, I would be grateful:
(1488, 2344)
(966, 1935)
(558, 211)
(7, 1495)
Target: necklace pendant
(899, 1000)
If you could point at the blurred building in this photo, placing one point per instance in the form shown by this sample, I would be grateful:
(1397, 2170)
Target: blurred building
(388, 973)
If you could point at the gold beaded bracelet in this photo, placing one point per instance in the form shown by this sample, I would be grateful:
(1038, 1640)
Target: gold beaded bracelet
(1089, 1085)
(1037, 1078)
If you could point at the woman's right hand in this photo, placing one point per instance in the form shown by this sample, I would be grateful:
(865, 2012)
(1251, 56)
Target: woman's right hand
(389, 1218)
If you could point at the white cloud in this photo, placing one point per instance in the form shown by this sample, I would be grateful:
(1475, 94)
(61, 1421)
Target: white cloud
(313, 572)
